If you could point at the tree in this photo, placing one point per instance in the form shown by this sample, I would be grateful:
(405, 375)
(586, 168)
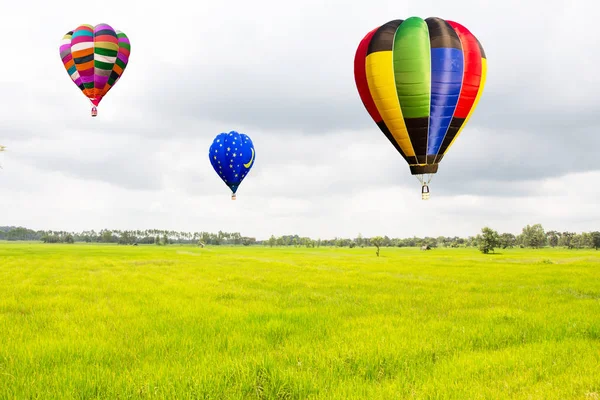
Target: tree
(552, 238)
(429, 241)
(519, 241)
(442, 241)
(377, 241)
(576, 241)
(471, 241)
(488, 240)
(507, 240)
(126, 238)
(106, 236)
(359, 241)
(587, 241)
(247, 241)
(566, 239)
(534, 236)
(596, 239)
(387, 242)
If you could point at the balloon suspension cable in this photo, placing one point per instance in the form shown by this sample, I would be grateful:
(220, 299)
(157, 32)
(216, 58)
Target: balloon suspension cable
(233, 196)
(94, 111)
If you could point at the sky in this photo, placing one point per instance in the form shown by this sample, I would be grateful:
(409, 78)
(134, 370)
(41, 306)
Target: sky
(282, 72)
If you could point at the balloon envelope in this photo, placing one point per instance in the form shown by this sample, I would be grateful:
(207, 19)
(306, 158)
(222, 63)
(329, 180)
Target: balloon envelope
(420, 81)
(232, 155)
(95, 58)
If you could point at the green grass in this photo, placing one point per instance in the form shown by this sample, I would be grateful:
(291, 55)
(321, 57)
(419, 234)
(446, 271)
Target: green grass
(113, 322)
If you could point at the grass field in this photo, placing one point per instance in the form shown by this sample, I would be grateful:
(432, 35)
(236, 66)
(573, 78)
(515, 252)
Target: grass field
(113, 322)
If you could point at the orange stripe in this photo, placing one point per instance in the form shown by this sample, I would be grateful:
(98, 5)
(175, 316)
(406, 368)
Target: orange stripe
(83, 53)
(98, 92)
(84, 66)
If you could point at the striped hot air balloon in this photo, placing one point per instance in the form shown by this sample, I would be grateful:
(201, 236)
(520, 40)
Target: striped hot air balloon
(420, 81)
(95, 58)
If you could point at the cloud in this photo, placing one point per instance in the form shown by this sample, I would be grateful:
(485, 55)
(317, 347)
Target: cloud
(284, 76)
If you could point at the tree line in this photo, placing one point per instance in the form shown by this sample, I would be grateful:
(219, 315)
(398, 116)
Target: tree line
(148, 236)
(533, 236)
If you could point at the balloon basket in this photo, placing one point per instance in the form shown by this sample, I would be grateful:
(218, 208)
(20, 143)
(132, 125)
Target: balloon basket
(425, 192)
(232, 196)
(94, 111)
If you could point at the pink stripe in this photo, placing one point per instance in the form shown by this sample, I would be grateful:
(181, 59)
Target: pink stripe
(82, 39)
(87, 73)
(101, 27)
(122, 57)
(100, 82)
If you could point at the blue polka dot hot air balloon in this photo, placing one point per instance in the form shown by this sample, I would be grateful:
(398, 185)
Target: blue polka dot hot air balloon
(232, 155)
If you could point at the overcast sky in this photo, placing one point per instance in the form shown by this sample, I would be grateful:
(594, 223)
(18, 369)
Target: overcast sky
(282, 73)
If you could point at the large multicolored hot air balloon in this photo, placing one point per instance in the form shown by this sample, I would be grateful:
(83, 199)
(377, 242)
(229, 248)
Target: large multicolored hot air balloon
(232, 156)
(420, 81)
(95, 58)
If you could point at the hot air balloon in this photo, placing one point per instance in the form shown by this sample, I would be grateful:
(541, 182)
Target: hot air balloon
(232, 156)
(95, 58)
(420, 81)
